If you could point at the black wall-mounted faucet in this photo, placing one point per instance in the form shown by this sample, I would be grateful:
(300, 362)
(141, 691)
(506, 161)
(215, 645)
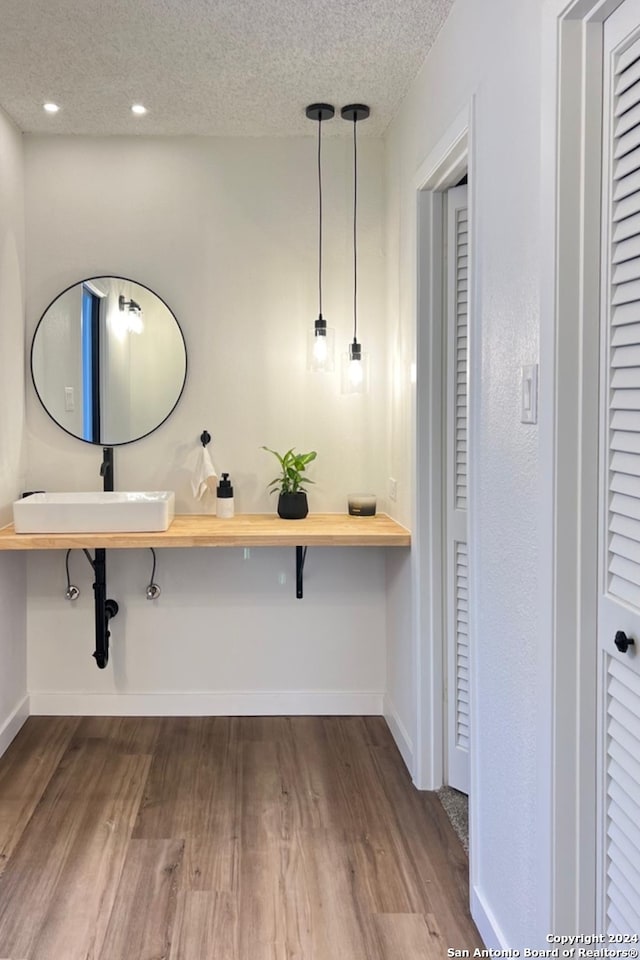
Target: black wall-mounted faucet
(106, 469)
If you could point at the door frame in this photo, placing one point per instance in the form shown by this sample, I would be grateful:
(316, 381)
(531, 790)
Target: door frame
(569, 363)
(443, 168)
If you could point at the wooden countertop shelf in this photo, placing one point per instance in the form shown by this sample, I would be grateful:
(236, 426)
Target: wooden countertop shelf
(244, 530)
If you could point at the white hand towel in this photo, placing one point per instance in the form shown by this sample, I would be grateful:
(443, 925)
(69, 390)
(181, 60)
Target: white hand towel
(204, 475)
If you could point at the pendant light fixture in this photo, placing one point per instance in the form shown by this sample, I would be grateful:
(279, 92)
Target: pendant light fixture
(355, 365)
(320, 348)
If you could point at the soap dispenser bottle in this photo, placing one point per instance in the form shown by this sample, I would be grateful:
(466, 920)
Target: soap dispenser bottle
(224, 498)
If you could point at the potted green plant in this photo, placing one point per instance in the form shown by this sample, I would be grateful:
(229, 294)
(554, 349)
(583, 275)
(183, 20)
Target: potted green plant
(292, 502)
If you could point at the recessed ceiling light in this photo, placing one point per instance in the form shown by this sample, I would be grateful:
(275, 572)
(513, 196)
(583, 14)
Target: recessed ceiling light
(138, 109)
(51, 107)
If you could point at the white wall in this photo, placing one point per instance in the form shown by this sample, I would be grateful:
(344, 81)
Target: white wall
(13, 703)
(490, 51)
(225, 231)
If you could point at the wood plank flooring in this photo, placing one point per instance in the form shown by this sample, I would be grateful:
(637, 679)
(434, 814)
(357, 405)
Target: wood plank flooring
(222, 838)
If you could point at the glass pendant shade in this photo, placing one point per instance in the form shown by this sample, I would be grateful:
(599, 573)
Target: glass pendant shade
(355, 370)
(321, 347)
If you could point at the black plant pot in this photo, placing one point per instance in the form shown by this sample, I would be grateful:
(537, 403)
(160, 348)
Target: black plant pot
(293, 506)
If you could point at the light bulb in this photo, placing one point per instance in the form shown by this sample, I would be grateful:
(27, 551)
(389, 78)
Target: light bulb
(356, 374)
(320, 349)
(134, 322)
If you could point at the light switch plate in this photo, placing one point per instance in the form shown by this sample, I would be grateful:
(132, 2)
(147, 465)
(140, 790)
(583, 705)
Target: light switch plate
(529, 393)
(69, 399)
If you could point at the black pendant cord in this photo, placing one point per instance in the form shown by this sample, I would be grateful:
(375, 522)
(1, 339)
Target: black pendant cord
(320, 216)
(355, 234)
(320, 112)
(355, 112)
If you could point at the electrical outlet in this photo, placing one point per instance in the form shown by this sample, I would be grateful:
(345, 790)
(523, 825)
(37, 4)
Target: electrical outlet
(393, 489)
(247, 553)
(69, 399)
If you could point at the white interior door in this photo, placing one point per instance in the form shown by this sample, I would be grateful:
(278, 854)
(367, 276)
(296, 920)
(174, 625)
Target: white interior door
(457, 578)
(619, 497)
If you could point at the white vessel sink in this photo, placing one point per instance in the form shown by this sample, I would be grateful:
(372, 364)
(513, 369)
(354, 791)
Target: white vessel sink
(118, 512)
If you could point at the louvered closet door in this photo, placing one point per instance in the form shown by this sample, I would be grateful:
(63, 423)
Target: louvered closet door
(456, 488)
(619, 543)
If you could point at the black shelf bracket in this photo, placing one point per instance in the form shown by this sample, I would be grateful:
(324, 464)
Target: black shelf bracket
(301, 556)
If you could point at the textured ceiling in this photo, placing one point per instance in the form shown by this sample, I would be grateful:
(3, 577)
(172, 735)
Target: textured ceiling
(214, 67)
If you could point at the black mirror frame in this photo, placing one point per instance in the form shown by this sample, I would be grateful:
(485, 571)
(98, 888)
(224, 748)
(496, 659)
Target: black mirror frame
(102, 443)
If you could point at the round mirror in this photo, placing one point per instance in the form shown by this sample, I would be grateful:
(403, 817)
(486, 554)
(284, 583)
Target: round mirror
(108, 360)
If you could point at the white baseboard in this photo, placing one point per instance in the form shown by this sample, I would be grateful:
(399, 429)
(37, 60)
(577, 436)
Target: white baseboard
(10, 727)
(399, 733)
(488, 926)
(209, 704)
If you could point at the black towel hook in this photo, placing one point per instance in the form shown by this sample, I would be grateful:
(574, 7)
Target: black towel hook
(205, 438)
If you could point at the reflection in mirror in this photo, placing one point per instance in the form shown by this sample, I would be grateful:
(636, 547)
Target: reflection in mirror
(108, 360)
